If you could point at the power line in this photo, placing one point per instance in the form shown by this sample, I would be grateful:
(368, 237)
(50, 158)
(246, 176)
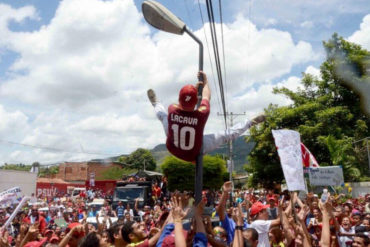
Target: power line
(54, 149)
(216, 54)
(223, 49)
(209, 57)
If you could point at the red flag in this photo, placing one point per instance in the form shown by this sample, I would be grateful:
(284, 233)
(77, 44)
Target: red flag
(307, 158)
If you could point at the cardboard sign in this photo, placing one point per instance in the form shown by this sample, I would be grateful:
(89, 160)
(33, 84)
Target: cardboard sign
(326, 176)
(288, 144)
(10, 196)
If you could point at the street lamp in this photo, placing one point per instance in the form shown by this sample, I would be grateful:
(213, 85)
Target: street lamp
(161, 18)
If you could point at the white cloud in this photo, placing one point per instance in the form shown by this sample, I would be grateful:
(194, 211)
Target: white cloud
(12, 123)
(313, 71)
(270, 22)
(296, 12)
(307, 24)
(84, 77)
(362, 36)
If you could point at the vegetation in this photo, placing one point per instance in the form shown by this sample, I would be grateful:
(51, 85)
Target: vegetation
(326, 113)
(44, 171)
(180, 173)
(16, 167)
(139, 159)
(115, 173)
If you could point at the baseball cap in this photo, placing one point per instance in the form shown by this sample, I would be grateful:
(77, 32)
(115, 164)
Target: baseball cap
(188, 97)
(77, 234)
(54, 239)
(48, 231)
(36, 243)
(169, 241)
(258, 207)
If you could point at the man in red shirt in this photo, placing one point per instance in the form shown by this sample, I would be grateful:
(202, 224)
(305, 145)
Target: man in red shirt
(36, 218)
(184, 126)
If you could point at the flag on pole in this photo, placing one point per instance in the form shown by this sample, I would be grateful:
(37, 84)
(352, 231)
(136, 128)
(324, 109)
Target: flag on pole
(308, 159)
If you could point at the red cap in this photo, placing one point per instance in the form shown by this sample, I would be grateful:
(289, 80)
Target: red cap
(72, 225)
(258, 207)
(36, 243)
(54, 237)
(169, 241)
(47, 231)
(188, 97)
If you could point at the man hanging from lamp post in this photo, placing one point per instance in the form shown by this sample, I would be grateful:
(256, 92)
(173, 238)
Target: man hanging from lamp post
(184, 125)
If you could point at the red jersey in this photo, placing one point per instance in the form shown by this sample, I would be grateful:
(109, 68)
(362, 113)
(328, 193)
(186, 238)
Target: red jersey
(185, 130)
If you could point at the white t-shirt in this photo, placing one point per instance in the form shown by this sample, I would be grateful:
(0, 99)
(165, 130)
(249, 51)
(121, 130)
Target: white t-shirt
(263, 228)
(346, 239)
(131, 212)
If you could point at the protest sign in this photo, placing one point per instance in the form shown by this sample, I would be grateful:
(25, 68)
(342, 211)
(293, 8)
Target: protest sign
(326, 176)
(288, 143)
(10, 196)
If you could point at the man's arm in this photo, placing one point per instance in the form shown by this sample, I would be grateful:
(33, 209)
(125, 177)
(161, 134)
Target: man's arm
(226, 189)
(277, 221)
(206, 94)
(326, 213)
(238, 238)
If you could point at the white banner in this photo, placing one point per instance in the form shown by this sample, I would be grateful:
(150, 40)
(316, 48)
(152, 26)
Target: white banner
(288, 144)
(10, 196)
(326, 176)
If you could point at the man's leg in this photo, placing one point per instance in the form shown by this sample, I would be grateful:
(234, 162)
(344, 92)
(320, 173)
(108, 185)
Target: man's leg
(159, 109)
(213, 141)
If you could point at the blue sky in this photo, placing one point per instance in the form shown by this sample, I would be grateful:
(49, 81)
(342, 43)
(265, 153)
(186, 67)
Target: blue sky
(74, 73)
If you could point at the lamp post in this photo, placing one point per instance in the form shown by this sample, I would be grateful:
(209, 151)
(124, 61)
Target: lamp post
(161, 18)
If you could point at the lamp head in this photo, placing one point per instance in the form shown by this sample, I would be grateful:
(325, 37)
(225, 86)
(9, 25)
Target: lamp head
(161, 18)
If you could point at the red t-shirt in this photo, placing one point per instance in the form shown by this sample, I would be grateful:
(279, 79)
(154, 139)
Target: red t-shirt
(185, 130)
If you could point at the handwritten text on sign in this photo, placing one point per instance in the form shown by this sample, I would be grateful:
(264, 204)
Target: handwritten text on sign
(326, 176)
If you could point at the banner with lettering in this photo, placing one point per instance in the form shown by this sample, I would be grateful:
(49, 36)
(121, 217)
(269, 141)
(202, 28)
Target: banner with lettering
(288, 144)
(326, 176)
(10, 196)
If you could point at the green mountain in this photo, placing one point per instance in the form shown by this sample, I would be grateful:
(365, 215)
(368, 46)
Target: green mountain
(241, 150)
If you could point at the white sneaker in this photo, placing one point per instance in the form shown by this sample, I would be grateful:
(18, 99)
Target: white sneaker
(152, 97)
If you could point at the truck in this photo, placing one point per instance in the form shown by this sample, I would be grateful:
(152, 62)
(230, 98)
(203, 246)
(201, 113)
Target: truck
(128, 192)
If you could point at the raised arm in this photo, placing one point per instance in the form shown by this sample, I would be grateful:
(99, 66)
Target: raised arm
(226, 189)
(326, 209)
(206, 94)
(238, 237)
(178, 214)
(200, 238)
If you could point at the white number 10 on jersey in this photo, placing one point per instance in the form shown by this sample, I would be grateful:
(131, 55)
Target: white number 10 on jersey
(180, 137)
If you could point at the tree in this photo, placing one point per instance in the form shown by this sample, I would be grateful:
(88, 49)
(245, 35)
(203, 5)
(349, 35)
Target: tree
(115, 173)
(326, 113)
(139, 159)
(180, 173)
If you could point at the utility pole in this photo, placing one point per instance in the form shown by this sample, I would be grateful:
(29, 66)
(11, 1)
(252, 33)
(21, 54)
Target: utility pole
(230, 164)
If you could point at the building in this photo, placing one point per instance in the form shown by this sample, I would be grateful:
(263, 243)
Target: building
(81, 171)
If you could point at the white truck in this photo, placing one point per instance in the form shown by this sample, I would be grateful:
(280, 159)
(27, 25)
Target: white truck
(26, 181)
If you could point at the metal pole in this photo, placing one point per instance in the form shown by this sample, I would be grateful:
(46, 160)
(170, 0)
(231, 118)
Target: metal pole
(231, 165)
(368, 152)
(231, 162)
(198, 185)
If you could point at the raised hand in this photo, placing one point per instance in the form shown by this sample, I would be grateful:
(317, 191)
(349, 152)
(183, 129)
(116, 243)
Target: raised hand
(227, 187)
(4, 238)
(178, 212)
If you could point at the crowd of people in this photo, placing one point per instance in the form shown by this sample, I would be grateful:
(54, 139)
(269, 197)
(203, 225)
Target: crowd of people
(251, 218)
